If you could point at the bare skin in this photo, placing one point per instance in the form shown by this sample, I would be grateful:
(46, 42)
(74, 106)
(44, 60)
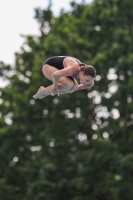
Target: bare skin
(61, 83)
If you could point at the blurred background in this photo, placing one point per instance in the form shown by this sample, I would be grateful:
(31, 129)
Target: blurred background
(71, 147)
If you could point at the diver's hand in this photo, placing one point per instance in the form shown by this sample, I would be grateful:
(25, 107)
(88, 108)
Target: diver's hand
(54, 91)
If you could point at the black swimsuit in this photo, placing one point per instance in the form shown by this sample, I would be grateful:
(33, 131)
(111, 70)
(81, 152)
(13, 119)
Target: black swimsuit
(57, 61)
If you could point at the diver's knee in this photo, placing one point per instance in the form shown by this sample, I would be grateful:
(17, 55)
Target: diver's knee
(74, 87)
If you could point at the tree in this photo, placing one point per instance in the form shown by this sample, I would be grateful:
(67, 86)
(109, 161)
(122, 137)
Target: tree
(74, 146)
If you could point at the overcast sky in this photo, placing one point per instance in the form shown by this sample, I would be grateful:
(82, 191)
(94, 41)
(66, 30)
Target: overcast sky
(22, 11)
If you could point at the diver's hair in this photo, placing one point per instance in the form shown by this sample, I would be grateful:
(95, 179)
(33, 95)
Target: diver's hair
(88, 70)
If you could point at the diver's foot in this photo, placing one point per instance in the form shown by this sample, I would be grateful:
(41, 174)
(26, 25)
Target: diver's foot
(40, 93)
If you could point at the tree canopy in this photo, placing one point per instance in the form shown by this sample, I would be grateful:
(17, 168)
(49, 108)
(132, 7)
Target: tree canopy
(78, 146)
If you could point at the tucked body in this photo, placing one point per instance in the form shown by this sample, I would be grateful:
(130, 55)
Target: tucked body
(63, 72)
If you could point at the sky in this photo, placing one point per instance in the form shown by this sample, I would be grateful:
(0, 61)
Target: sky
(22, 11)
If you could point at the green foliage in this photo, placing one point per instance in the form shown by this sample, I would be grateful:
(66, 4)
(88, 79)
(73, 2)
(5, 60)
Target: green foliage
(75, 146)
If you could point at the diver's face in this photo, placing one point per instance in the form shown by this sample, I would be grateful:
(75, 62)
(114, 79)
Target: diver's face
(85, 79)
